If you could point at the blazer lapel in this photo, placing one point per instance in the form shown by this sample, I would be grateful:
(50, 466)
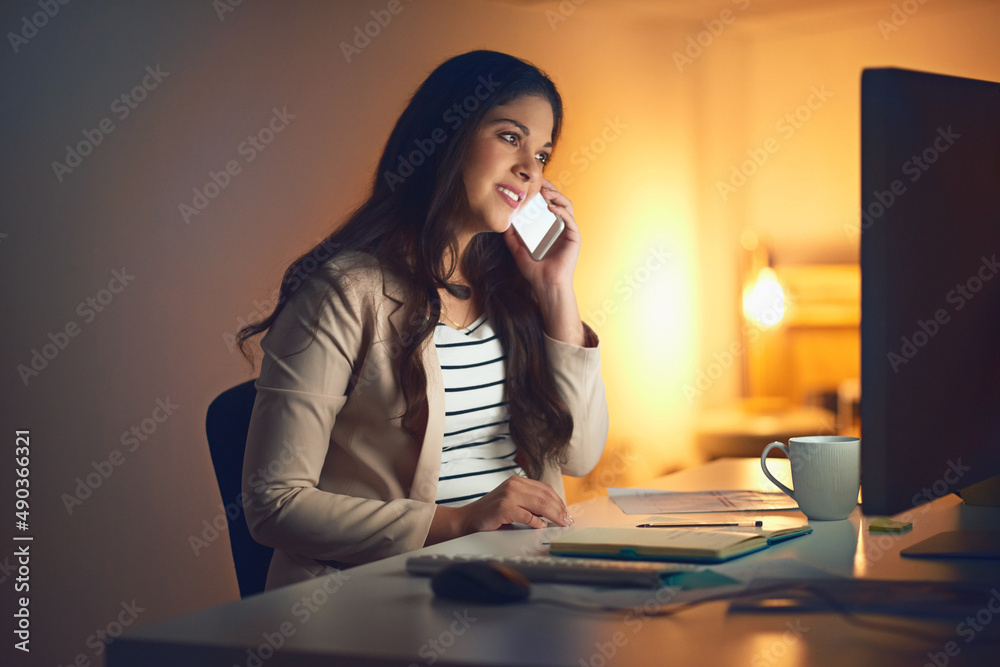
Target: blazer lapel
(425, 477)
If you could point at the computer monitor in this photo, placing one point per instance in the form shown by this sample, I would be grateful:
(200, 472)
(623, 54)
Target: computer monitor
(930, 286)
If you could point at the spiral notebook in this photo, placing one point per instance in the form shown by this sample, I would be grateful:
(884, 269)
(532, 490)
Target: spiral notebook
(672, 544)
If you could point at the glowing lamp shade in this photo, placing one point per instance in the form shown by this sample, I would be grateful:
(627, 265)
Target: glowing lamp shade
(764, 300)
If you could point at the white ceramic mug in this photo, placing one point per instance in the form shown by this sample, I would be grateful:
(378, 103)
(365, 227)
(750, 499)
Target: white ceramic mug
(826, 474)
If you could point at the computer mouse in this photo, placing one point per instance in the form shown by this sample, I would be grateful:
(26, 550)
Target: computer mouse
(481, 581)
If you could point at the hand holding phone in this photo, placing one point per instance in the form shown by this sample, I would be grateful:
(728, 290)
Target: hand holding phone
(537, 226)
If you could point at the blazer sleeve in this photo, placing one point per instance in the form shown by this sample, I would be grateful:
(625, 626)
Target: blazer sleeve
(303, 385)
(577, 372)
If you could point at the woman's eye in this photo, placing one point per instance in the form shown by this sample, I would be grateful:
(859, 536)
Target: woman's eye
(514, 139)
(511, 137)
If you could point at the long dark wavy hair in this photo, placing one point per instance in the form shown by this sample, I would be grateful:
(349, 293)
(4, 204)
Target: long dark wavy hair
(409, 224)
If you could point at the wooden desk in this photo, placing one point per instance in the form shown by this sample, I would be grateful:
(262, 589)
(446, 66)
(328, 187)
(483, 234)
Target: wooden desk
(377, 615)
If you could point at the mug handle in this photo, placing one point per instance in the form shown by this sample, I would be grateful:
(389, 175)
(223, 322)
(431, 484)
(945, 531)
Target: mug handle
(763, 465)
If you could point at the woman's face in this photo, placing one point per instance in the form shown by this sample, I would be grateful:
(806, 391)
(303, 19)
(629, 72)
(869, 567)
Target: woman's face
(504, 161)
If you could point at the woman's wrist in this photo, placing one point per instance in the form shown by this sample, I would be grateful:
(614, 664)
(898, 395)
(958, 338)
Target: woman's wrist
(447, 524)
(561, 315)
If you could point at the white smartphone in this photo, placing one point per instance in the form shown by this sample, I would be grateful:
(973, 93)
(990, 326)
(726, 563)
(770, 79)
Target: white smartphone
(537, 226)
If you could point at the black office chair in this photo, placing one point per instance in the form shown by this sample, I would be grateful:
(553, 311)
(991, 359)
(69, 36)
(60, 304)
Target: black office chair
(227, 424)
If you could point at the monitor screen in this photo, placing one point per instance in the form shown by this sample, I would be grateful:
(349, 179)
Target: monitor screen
(930, 286)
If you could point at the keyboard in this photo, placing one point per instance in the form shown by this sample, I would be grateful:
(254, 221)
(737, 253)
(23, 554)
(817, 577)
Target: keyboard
(563, 570)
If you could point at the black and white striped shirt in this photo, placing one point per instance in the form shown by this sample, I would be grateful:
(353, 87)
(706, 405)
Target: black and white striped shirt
(477, 453)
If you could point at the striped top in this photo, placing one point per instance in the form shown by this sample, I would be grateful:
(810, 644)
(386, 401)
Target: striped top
(477, 453)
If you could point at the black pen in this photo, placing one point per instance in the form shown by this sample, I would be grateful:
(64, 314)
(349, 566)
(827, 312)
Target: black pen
(741, 524)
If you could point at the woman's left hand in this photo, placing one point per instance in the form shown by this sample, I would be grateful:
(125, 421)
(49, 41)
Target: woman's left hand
(551, 278)
(555, 270)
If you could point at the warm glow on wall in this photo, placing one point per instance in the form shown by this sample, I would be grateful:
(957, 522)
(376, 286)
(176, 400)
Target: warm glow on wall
(636, 280)
(661, 336)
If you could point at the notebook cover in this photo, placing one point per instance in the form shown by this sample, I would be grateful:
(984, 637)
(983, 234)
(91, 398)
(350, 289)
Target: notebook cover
(628, 553)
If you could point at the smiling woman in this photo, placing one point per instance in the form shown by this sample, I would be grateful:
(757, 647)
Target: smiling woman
(430, 379)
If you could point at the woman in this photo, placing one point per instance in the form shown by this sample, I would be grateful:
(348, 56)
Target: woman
(423, 378)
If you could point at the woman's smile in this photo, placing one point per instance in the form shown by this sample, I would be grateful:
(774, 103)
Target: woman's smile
(513, 196)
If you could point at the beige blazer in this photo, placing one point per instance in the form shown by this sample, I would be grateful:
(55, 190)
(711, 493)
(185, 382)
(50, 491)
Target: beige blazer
(330, 476)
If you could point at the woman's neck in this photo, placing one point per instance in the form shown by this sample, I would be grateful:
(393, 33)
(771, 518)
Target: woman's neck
(457, 312)
(457, 277)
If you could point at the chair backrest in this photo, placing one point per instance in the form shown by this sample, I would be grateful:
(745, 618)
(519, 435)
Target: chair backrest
(227, 424)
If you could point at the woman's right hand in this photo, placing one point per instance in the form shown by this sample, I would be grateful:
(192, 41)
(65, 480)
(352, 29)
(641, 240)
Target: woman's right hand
(515, 500)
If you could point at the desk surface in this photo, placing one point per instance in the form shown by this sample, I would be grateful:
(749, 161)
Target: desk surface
(377, 615)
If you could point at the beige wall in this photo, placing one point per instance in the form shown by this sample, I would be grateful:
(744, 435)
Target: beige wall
(805, 196)
(804, 199)
(659, 137)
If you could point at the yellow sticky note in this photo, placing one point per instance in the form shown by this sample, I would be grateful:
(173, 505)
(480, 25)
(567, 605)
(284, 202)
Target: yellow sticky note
(883, 525)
